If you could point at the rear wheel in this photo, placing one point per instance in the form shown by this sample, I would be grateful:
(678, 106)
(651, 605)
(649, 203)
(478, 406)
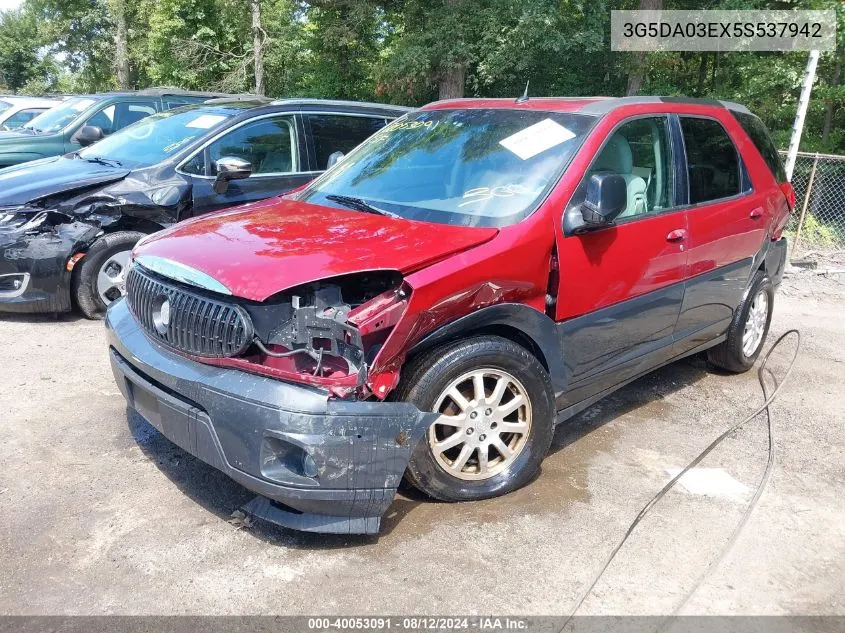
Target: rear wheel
(496, 418)
(100, 278)
(748, 329)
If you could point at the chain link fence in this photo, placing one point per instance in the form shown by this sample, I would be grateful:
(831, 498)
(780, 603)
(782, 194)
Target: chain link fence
(818, 221)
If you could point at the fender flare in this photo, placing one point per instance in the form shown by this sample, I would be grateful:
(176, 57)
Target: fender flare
(538, 328)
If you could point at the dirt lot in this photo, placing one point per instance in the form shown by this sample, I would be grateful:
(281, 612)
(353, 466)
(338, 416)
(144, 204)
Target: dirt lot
(101, 514)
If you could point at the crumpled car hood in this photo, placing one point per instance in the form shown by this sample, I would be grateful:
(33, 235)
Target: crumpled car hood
(50, 176)
(260, 249)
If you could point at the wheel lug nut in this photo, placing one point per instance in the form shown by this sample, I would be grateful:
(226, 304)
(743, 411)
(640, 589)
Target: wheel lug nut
(470, 431)
(493, 425)
(482, 437)
(473, 415)
(488, 411)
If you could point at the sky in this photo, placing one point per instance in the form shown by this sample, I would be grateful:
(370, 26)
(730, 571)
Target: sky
(9, 4)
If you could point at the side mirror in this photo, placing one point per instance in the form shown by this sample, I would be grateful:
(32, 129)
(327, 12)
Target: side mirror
(231, 168)
(607, 197)
(334, 157)
(88, 135)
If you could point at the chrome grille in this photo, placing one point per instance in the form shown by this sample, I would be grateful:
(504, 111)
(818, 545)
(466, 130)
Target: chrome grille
(193, 323)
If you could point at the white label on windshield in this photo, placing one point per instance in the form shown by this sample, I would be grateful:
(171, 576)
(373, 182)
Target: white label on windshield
(84, 104)
(205, 121)
(537, 138)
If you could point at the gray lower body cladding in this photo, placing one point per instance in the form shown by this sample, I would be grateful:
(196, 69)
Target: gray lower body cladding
(330, 465)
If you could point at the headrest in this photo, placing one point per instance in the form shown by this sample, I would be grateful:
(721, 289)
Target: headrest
(616, 156)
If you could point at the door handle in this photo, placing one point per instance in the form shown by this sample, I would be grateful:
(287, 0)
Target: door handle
(756, 213)
(677, 235)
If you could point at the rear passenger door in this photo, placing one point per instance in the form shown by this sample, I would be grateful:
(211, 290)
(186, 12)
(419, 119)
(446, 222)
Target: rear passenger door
(334, 134)
(621, 286)
(271, 143)
(726, 230)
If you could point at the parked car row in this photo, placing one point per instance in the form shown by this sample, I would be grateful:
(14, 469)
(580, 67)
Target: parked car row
(431, 306)
(69, 222)
(16, 111)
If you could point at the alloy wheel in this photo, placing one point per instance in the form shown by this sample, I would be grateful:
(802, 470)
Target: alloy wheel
(484, 424)
(755, 324)
(111, 278)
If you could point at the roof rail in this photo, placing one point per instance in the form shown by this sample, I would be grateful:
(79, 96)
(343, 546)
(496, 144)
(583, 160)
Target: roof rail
(239, 97)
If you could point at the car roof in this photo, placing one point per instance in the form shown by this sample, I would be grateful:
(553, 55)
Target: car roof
(584, 105)
(33, 101)
(152, 92)
(246, 104)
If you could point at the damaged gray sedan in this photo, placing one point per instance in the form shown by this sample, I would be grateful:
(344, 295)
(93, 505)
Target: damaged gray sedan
(68, 223)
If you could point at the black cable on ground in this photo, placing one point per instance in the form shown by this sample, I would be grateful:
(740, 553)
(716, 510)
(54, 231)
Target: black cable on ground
(768, 399)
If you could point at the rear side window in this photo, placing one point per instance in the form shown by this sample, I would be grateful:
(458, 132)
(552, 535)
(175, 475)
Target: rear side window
(20, 117)
(338, 133)
(713, 166)
(759, 135)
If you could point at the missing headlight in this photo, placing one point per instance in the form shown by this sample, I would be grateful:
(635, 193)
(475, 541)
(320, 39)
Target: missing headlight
(308, 329)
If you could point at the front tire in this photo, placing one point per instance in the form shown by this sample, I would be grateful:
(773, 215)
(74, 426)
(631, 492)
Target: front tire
(496, 423)
(748, 329)
(100, 279)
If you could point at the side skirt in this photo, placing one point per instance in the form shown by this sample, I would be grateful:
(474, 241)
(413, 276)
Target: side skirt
(564, 414)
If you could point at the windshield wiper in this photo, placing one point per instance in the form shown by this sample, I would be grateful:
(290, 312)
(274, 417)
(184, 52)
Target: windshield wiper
(108, 162)
(359, 204)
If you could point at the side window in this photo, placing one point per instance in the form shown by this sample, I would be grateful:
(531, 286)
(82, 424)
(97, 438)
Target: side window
(269, 144)
(713, 167)
(640, 152)
(104, 119)
(196, 165)
(340, 133)
(20, 117)
(129, 113)
(759, 135)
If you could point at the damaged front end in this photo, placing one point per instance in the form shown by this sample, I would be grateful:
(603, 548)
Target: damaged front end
(35, 245)
(325, 334)
(41, 241)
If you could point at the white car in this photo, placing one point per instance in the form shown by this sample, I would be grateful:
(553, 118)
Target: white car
(15, 111)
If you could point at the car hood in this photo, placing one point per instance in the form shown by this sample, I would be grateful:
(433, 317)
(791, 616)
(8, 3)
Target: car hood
(260, 249)
(50, 176)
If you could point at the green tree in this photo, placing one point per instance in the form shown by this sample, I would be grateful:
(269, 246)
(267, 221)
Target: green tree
(19, 58)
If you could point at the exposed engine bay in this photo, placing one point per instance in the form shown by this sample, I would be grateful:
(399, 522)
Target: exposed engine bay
(328, 329)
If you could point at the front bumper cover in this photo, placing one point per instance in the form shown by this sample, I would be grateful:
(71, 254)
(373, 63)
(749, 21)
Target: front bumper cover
(38, 252)
(330, 465)
(39, 261)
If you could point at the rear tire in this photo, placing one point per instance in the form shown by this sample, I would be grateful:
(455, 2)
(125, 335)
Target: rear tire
(100, 278)
(482, 445)
(748, 329)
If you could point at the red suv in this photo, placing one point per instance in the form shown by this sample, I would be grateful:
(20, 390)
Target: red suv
(475, 273)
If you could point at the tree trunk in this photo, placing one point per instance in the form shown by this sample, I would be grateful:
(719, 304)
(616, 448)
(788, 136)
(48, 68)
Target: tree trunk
(834, 81)
(121, 45)
(258, 47)
(452, 78)
(637, 72)
(702, 74)
(452, 81)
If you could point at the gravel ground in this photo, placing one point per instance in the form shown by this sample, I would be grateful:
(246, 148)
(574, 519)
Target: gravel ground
(102, 515)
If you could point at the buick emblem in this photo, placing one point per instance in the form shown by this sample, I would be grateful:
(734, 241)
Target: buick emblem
(161, 316)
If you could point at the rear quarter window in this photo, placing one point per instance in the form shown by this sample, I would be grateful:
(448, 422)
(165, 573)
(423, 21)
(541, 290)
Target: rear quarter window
(713, 165)
(762, 140)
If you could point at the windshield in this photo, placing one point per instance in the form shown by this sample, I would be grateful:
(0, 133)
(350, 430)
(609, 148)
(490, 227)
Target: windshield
(157, 137)
(464, 167)
(58, 118)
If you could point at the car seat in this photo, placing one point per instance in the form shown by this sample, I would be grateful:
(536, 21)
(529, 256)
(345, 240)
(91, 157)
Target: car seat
(617, 158)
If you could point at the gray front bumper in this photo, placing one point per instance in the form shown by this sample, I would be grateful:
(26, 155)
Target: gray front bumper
(259, 430)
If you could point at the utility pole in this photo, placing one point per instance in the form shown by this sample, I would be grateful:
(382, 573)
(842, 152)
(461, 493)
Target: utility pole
(803, 103)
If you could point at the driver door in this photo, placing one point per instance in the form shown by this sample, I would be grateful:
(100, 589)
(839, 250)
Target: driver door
(621, 286)
(271, 144)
